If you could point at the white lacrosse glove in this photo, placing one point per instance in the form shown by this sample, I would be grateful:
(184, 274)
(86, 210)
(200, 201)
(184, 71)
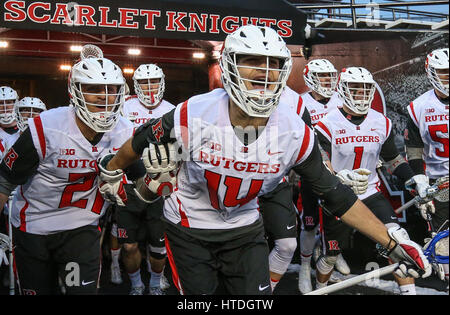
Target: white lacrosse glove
(4, 245)
(111, 182)
(419, 185)
(357, 179)
(409, 255)
(161, 164)
(438, 268)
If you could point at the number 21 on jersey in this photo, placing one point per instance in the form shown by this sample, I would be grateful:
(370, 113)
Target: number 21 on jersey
(233, 187)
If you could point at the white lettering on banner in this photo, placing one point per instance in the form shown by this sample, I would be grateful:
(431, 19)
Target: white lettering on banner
(74, 14)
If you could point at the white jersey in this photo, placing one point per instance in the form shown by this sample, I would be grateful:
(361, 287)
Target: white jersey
(63, 194)
(356, 146)
(293, 99)
(218, 186)
(7, 141)
(318, 110)
(431, 117)
(138, 114)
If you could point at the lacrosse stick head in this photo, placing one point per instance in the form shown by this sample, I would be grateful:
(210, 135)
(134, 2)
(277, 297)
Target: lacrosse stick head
(442, 189)
(437, 249)
(91, 51)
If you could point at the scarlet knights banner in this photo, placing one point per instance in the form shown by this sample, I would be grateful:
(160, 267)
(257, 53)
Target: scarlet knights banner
(183, 19)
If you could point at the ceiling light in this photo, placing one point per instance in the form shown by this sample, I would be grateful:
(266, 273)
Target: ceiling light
(3, 44)
(76, 48)
(198, 55)
(65, 67)
(128, 70)
(134, 51)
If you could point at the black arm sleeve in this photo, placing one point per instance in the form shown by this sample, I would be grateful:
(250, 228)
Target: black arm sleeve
(414, 140)
(412, 135)
(338, 197)
(307, 118)
(389, 150)
(21, 161)
(325, 144)
(158, 130)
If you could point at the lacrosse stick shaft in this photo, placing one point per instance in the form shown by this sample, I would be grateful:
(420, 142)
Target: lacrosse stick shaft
(11, 257)
(355, 280)
(405, 206)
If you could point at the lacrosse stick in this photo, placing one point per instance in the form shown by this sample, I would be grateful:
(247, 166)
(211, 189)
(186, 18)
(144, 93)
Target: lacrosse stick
(91, 51)
(438, 191)
(436, 252)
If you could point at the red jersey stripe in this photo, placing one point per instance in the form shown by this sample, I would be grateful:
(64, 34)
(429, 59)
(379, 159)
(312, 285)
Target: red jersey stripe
(40, 132)
(305, 144)
(184, 125)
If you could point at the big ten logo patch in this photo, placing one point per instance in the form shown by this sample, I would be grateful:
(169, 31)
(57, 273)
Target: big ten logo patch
(67, 151)
(214, 146)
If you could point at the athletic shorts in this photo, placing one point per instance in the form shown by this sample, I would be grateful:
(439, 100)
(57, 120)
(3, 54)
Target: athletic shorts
(278, 213)
(337, 234)
(140, 221)
(73, 255)
(200, 257)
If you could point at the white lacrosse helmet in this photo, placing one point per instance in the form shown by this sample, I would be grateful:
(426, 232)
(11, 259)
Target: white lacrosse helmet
(27, 107)
(358, 99)
(255, 41)
(149, 97)
(97, 71)
(8, 97)
(437, 60)
(320, 68)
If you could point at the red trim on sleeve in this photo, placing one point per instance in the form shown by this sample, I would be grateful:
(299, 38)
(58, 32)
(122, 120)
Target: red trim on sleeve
(299, 105)
(2, 148)
(184, 125)
(40, 132)
(305, 144)
(387, 126)
(324, 128)
(414, 113)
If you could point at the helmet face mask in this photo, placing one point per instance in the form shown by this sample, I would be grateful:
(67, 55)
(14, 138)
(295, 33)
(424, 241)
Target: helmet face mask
(149, 84)
(97, 90)
(436, 67)
(28, 107)
(321, 77)
(255, 66)
(8, 97)
(356, 88)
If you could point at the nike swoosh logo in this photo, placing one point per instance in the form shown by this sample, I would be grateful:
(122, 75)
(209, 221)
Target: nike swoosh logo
(116, 149)
(86, 283)
(290, 227)
(273, 153)
(373, 129)
(262, 288)
(394, 218)
(162, 239)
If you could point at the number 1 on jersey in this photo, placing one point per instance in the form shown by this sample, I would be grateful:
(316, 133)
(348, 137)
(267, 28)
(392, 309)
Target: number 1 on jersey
(358, 157)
